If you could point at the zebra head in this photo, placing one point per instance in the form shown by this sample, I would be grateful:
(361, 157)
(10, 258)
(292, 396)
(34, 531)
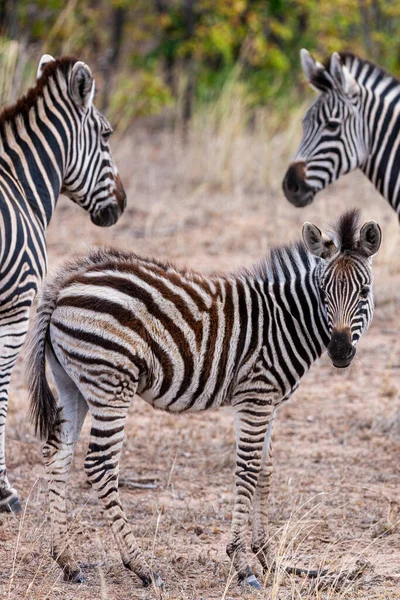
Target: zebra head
(91, 177)
(345, 281)
(335, 140)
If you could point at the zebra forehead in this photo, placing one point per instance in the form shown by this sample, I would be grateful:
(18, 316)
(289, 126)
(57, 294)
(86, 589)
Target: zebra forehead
(350, 267)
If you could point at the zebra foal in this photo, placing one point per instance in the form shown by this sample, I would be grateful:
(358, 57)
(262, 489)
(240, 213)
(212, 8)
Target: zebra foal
(113, 324)
(354, 123)
(53, 140)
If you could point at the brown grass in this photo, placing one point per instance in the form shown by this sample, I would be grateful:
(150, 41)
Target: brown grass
(216, 203)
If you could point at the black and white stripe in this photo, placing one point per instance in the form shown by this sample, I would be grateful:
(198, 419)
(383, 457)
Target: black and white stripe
(114, 324)
(354, 123)
(52, 140)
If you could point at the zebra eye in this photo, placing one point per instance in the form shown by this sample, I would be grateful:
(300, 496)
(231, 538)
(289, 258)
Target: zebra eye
(332, 125)
(106, 134)
(364, 292)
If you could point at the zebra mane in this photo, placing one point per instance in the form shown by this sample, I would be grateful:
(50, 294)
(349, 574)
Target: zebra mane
(346, 230)
(283, 261)
(25, 103)
(356, 63)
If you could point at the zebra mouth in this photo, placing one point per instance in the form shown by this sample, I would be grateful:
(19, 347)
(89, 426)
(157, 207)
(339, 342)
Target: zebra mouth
(302, 199)
(107, 216)
(342, 358)
(341, 364)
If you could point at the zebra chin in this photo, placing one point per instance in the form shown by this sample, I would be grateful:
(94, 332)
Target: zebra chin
(302, 199)
(107, 216)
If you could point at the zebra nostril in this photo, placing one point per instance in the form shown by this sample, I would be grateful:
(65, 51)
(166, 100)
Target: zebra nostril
(294, 179)
(350, 351)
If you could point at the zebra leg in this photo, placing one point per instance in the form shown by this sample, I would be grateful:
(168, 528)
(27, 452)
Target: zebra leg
(58, 453)
(102, 466)
(259, 542)
(12, 337)
(251, 424)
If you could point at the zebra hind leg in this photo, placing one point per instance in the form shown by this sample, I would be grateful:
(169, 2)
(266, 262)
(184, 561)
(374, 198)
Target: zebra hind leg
(58, 453)
(101, 466)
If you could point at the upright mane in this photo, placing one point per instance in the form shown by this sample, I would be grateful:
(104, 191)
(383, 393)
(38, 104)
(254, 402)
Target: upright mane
(346, 230)
(25, 103)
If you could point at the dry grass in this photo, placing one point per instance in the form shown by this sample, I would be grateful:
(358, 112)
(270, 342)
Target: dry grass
(212, 204)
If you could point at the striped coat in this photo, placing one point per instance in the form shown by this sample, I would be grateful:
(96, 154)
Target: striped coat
(53, 140)
(113, 325)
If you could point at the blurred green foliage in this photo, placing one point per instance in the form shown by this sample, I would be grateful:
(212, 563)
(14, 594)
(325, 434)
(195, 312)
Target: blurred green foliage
(149, 54)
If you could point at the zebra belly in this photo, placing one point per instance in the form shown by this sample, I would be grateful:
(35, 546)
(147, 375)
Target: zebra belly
(199, 395)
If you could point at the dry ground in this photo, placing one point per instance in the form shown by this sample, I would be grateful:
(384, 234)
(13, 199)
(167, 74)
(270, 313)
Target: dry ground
(335, 495)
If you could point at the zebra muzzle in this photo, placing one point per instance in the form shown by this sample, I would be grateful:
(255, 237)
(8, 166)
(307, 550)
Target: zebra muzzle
(340, 349)
(294, 185)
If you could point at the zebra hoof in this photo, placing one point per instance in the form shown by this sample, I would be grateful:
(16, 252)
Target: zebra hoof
(11, 506)
(74, 576)
(158, 582)
(155, 580)
(252, 581)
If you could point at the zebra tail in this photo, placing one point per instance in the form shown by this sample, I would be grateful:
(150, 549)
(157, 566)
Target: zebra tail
(43, 404)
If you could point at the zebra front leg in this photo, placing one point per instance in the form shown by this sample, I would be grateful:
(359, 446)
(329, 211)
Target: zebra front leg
(251, 424)
(58, 453)
(260, 542)
(102, 466)
(9, 501)
(12, 338)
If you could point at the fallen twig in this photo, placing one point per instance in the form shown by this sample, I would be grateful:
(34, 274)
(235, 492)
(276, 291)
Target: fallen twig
(338, 580)
(143, 483)
(310, 573)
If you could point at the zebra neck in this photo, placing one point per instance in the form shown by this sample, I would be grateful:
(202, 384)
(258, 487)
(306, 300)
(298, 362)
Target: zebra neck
(296, 307)
(381, 109)
(383, 164)
(33, 149)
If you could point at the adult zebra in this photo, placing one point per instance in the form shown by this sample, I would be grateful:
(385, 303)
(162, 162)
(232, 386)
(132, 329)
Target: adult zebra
(113, 325)
(53, 140)
(354, 123)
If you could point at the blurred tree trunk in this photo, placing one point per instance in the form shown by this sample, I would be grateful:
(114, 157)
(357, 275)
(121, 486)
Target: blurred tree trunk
(189, 21)
(366, 30)
(112, 54)
(8, 17)
(161, 7)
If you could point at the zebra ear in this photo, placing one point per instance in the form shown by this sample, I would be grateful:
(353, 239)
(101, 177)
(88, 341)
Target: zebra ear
(46, 58)
(370, 239)
(317, 243)
(316, 74)
(342, 76)
(82, 85)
